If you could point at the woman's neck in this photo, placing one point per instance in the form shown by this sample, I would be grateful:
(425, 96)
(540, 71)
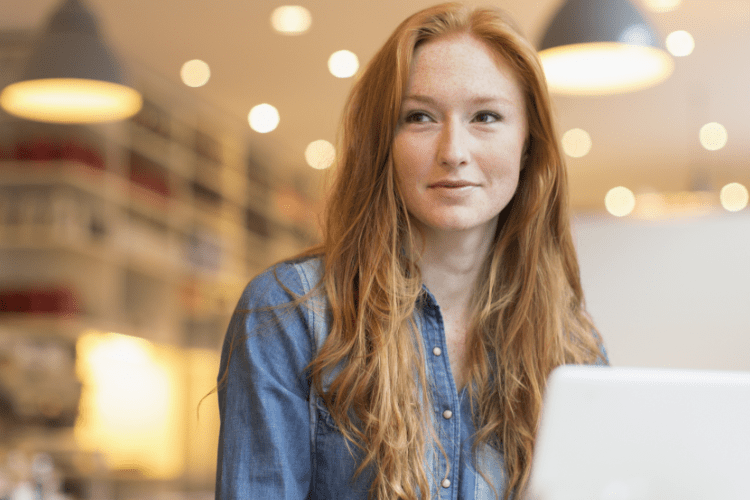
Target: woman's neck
(450, 266)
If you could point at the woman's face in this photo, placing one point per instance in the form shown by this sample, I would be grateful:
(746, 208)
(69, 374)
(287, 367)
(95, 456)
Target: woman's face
(460, 138)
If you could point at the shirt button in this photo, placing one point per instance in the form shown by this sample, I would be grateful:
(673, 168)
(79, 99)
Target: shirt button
(446, 483)
(437, 351)
(446, 415)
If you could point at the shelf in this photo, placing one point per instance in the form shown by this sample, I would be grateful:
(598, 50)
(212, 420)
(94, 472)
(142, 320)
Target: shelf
(53, 173)
(102, 185)
(68, 327)
(43, 239)
(154, 243)
(156, 148)
(117, 252)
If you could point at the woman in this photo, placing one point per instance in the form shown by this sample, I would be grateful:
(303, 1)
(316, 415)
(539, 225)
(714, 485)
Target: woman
(406, 356)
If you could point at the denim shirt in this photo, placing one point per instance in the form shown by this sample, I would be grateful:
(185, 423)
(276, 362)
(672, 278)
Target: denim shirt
(278, 441)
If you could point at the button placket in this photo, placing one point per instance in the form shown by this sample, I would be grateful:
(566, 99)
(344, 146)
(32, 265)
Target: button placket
(444, 401)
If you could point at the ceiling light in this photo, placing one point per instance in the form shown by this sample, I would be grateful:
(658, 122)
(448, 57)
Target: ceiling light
(195, 73)
(71, 75)
(713, 136)
(620, 201)
(343, 64)
(734, 197)
(263, 118)
(320, 154)
(662, 5)
(601, 47)
(291, 20)
(576, 143)
(680, 43)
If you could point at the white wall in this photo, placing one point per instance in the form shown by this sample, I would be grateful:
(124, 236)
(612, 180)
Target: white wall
(672, 293)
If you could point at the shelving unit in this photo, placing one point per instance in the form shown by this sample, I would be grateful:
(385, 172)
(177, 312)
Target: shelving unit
(148, 228)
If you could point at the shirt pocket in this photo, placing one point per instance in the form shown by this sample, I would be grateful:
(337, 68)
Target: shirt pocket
(334, 462)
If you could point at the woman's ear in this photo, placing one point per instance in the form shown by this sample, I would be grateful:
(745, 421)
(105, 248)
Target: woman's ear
(525, 154)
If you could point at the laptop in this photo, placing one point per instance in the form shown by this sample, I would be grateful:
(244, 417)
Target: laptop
(643, 434)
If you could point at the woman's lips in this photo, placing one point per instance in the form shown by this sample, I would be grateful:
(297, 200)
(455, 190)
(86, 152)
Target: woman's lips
(453, 190)
(452, 184)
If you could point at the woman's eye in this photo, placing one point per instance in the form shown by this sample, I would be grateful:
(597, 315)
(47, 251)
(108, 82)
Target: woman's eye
(487, 117)
(417, 117)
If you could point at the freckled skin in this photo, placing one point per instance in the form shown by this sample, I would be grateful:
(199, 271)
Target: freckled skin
(463, 119)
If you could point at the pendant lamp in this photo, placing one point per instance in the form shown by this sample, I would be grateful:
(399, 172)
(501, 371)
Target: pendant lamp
(602, 47)
(71, 75)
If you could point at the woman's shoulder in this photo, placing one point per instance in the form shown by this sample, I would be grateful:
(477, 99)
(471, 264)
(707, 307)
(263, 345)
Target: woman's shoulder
(309, 270)
(282, 283)
(272, 334)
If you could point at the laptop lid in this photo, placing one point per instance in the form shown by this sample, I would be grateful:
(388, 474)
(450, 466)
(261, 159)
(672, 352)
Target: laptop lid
(643, 434)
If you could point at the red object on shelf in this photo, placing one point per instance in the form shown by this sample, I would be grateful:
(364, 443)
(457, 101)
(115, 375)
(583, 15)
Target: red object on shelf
(149, 174)
(150, 180)
(55, 300)
(37, 150)
(72, 151)
(49, 150)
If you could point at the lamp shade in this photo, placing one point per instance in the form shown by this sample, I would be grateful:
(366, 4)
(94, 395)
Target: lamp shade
(600, 47)
(71, 75)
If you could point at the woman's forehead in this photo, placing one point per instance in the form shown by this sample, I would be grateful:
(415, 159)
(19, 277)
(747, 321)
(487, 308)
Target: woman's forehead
(465, 63)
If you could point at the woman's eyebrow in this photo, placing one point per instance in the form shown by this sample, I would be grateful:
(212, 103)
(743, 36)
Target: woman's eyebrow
(420, 98)
(475, 100)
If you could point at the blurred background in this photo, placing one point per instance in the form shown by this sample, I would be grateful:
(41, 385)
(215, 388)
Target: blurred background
(124, 246)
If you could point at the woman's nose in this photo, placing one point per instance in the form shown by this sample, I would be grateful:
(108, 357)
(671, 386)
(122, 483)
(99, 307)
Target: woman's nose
(453, 150)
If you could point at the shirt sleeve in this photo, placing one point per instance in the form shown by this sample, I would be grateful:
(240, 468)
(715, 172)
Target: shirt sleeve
(264, 438)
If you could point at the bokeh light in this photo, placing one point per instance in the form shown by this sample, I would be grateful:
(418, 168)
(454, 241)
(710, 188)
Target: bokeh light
(680, 43)
(604, 68)
(576, 143)
(132, 403)
(263, 118)
(620, 201)
(291, 20)
(195, 73)
(713, 136)
(734, 197)
(70, 100)
(662, 5)
(320, 154)
(343, 64)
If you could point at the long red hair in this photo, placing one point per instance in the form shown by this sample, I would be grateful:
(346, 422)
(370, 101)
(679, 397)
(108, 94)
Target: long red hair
(528, 308)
